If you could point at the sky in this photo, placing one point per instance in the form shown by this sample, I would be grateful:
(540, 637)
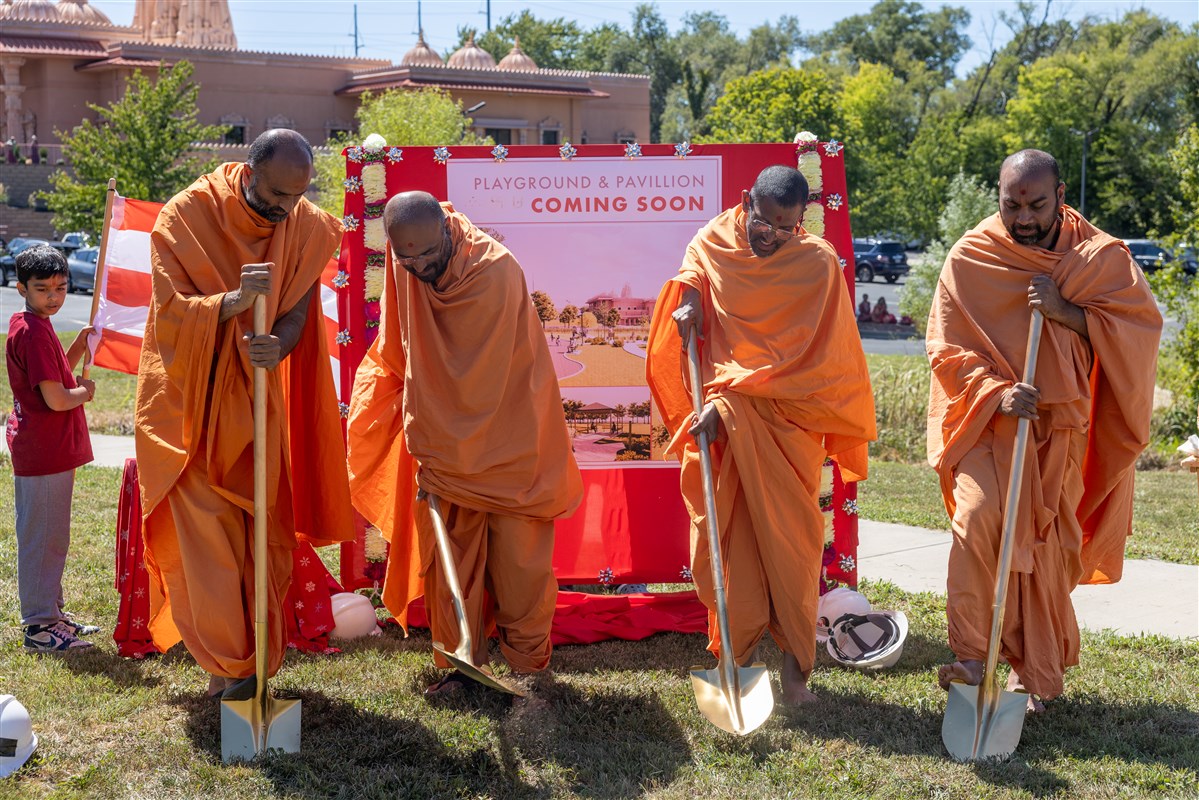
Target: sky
(387, 28)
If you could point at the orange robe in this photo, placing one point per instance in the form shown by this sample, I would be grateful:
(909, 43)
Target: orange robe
(195, 426)
(1096, 399)
(458, 394)
(782, 361)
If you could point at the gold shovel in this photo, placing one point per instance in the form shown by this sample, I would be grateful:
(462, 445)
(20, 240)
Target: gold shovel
(251, 727)
(985, 721)
(733, 698)
(463, 657)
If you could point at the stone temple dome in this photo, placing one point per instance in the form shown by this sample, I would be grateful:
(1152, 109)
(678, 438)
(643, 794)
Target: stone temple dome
(80, 11)
(518, 60)
(471, 56)
(31, 10)
(421, 55)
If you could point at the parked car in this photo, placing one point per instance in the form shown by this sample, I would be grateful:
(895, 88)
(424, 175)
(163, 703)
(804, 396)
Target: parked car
(83, 269)
(77, 238)
(1153, 256)
(883, 257)
(8, 262)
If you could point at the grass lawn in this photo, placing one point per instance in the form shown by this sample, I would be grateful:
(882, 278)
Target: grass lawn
(110, 412)
(606, 366)
(1164, 521)
(619, 721)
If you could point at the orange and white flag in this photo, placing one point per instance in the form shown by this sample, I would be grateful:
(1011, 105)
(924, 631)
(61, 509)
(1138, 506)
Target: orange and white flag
(125, 292)
(123, 286)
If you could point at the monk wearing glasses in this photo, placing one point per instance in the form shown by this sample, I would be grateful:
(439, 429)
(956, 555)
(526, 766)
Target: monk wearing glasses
(785, 387)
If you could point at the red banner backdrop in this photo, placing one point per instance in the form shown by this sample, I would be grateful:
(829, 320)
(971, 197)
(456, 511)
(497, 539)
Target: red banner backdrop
(632, 526)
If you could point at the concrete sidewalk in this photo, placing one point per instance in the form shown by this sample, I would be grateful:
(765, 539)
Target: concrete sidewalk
(1153, 596)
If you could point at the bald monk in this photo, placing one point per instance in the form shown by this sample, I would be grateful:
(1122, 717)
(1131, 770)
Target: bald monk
(241, 232)
(457, 396)
(785, 386)
(1089, 409)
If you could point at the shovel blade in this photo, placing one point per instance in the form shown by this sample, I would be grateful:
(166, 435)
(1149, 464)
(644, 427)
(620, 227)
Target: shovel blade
(738, 709)
(971, 731)
(483, 675)
(249, 730)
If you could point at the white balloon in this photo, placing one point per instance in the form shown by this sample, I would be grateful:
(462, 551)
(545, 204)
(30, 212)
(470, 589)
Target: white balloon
(353, 616)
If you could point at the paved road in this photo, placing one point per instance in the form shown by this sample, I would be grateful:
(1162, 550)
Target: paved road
(74, 314)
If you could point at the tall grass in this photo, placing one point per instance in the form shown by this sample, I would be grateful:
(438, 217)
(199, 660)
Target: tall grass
(900, 386)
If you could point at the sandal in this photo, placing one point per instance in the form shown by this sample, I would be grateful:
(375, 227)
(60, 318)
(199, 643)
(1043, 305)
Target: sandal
(450, 683)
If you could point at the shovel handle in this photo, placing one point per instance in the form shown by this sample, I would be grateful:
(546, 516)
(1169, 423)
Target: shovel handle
(261, 638)
(465, 645)
(728, 667)
(1007, 546)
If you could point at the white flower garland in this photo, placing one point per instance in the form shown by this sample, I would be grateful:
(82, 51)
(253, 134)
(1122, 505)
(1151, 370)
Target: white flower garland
(809, 167)
(374, 183)
(374, 283)
(813, 220)
(375, 235)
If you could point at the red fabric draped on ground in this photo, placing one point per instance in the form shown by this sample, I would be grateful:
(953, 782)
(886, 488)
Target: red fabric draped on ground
(308, 624)
(581, 618)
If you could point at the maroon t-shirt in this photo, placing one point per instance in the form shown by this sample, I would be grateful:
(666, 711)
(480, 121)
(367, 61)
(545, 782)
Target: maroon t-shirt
(42, 441)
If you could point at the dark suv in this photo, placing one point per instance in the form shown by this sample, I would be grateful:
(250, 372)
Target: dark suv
(1152, 256)
(879, 257)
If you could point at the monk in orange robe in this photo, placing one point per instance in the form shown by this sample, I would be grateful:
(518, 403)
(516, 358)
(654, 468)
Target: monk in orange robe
(785, 386)
(1089, 409)
(458, 396)
(240, 232)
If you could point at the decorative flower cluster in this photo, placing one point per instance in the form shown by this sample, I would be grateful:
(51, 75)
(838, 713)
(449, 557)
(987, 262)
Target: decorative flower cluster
(499, 153)
(606, 576)
(567, 151)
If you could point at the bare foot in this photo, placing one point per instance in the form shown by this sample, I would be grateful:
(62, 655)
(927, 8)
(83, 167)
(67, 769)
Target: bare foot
(969, 672)
(217, 685)
(795, 683)
(1014, 684)
(450, 683)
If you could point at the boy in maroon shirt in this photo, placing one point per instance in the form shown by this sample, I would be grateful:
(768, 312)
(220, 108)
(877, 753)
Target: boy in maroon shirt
(48, 439)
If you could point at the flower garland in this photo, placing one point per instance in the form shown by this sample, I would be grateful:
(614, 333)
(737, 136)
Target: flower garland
(810, 167)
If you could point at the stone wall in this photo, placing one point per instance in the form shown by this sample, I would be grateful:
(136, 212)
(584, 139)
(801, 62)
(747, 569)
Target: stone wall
(16, 222)
(21, 180)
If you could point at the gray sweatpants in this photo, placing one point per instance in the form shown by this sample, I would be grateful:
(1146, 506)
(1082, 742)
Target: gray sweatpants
(43, 536)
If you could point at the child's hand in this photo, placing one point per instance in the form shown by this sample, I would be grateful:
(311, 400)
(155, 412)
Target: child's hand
(87, 330)
(87, 384)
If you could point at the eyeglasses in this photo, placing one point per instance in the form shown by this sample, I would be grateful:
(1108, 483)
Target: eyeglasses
(423, 260)
(763, 227)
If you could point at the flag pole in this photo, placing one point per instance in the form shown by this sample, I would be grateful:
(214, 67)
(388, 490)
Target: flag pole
(98, 280)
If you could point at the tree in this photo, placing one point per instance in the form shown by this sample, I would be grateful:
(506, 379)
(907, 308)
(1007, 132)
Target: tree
(404, 119)
(569, 315)
(1178, 364)
(552, 43)
(773, 105)
(611, 318)
(146, 140)
(968, 202)
(879, 124)
(544, 305)
(588, 320)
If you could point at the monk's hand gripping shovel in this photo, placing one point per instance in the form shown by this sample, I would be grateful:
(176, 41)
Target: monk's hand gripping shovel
(463, 657)
(984, 721)
(251, 727)
(733, 698)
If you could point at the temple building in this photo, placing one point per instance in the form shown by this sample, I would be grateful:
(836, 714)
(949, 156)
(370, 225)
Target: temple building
(57, 57)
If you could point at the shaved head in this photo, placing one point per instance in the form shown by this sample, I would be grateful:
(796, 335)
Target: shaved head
(1031, 195)
(278, 172)
(412, 208)
(783, 185)
(279, 143)
(418, 234)
(1030, 163)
